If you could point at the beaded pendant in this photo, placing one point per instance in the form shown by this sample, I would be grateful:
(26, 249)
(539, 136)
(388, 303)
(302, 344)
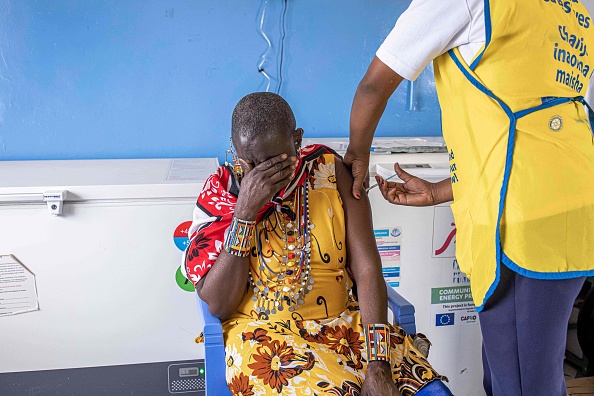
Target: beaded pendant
(287, 288)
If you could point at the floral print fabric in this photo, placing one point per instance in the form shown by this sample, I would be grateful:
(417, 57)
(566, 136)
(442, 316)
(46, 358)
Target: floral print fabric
(315, 357)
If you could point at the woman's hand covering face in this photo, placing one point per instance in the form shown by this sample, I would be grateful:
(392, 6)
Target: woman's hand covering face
(261, 182)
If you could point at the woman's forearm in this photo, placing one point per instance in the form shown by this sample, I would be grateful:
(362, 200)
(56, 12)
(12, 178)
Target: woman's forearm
(225, 284)
(369, 104)
(366, 112)
(372, 296)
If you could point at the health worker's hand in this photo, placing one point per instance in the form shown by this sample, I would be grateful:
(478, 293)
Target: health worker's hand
(260, 183)
(413, 192)
(378, 380)
(359, 164)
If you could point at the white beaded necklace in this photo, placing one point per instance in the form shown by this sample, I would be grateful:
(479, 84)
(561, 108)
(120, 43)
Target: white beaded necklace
(293, 281)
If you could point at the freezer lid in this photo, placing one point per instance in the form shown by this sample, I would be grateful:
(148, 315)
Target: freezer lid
(432, 171)
(89, 180)
(387, 145)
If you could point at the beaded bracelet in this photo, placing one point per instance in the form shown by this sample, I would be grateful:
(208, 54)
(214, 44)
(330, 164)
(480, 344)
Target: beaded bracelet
(377, 341)
(239, 237)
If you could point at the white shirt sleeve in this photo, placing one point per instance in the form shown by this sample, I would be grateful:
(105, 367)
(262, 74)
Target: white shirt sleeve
(427, 29)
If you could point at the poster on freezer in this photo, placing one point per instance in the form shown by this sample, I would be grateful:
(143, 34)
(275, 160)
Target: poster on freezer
(18, 293)
(447, 272)
(452, 306)
(389, 242)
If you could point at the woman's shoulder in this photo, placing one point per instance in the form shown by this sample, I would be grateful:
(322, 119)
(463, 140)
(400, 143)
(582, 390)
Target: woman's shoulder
(323, 172)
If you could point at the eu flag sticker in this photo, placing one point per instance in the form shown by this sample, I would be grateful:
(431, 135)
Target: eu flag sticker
(446, 319)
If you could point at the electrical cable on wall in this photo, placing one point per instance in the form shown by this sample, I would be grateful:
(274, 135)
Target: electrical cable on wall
(280, 56)
(269, 45)
(282, 47)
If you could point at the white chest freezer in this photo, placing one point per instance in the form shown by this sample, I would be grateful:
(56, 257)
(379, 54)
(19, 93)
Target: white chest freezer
(115, 314)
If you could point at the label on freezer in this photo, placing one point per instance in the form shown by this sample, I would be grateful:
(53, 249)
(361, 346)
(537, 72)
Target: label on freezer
(181, 240)
(183, 282)
(444, 233)
(18, 292)
(388, 241)
(446, 271)
(452, 306)
(180, 235)
(191, 169)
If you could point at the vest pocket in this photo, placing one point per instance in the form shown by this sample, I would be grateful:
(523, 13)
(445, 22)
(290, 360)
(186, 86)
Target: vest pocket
(464, 228)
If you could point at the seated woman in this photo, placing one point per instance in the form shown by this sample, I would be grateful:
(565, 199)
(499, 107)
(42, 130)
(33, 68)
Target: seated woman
(276, 246)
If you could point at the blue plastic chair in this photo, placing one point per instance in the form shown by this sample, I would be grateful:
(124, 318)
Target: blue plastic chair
(214, 346)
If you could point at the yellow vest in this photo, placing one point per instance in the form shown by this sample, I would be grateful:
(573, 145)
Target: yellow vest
(521, 145)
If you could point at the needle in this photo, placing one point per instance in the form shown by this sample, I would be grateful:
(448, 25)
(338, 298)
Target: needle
(375, 185)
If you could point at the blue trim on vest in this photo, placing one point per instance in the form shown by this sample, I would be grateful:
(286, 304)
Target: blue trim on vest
(488, 31)
(479, 85)
(552, 101)
(544, 275)
(545, 105)
(511, 140)
(590, 112)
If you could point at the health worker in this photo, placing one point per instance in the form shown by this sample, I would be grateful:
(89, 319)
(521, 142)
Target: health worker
(510, 78)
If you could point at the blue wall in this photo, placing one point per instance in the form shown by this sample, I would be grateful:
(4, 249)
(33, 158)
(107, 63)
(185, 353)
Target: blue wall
(159, 78)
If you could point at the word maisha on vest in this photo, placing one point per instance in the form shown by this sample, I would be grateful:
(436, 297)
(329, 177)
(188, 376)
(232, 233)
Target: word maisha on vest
(570, 80)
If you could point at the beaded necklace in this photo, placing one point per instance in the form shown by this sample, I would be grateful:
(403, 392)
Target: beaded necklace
(273, 291)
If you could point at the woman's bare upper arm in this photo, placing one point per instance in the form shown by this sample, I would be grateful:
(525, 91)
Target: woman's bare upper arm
(360, 239)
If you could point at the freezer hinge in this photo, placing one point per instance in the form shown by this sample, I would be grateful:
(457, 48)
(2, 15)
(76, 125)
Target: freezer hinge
(55, 201)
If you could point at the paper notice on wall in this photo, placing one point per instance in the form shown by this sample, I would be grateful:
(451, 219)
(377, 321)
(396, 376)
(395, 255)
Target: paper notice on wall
(18, 293)
(389, 241)
(452, 306)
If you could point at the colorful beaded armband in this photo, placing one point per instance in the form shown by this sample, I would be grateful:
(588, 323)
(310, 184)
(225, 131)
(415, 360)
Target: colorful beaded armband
(239, 237)
(377, 341)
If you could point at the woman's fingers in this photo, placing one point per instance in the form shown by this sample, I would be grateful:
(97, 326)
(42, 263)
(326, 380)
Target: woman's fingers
(280, 171)
(391, 191)
(246, 167)
(359, 170)
(402, 174)
(276, 163)
(263, 181)
(271, 175)
(277, 168)
(381, 184)
(358, 162)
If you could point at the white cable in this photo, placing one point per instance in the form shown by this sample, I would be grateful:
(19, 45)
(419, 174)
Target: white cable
(269, 45)
(282, 47)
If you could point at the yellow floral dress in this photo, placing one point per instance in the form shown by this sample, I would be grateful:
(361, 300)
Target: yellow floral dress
(319, 348)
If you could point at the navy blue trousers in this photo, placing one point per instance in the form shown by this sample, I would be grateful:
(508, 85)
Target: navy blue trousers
(524, 328)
